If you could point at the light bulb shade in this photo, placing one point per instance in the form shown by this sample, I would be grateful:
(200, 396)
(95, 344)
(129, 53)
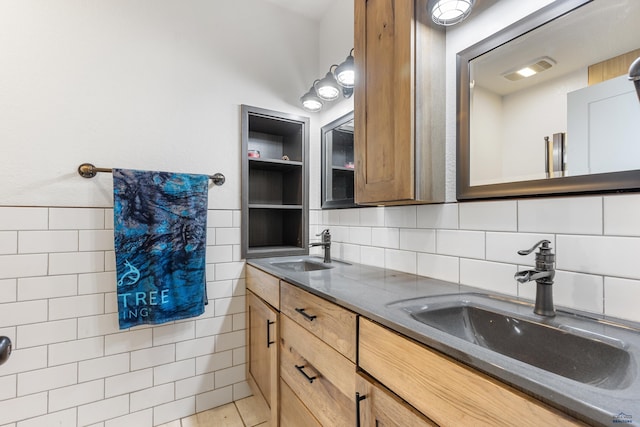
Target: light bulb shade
(327, 88)
(345, 73)
(311, 101)
(450, 12)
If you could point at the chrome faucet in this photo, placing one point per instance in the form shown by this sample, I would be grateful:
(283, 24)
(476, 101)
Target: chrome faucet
(325, 242)
(543, 275)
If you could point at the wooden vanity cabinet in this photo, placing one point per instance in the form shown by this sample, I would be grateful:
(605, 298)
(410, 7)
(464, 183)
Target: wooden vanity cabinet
(263, 318)
(399, 104)
(317, 357)
(447, 392)
(302, 352)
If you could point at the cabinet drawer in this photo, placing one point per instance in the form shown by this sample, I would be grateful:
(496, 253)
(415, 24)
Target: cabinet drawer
(444, 390)
(379, 407)
(322, 378)
(264, 285)
(334, 325)
(293, 413)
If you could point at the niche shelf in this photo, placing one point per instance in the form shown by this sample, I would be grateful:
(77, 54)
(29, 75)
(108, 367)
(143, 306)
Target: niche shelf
(275, 198)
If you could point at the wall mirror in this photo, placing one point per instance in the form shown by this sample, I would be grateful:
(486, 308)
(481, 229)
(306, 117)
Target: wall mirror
(572, 125)
(337, 163)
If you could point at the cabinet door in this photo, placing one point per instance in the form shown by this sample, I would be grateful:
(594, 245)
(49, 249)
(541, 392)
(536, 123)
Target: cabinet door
(263, 349)
(380, 408)
(384, 100)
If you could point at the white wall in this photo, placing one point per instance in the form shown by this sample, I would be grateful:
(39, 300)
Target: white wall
(145, 84)
(530, 115)
(509, 131)
(335, 43)
(486, 155)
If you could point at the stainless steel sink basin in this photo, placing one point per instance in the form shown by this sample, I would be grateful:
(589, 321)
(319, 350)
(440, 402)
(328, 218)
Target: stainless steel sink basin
(302, 265)
(576, 347)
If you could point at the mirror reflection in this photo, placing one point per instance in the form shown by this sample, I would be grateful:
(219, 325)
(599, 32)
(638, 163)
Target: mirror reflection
(557, 101)
(338, 164)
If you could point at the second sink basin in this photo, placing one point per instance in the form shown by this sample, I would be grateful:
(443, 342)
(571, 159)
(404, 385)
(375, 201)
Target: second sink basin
(301, 265)
(567, 345)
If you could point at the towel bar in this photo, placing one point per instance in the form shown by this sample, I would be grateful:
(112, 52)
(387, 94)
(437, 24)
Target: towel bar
(87, 170)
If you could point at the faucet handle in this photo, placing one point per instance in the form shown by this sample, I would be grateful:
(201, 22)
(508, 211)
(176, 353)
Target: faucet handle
(544, 246)
(324, 233)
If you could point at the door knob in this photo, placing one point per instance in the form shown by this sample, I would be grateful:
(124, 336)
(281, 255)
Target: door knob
(5, 349)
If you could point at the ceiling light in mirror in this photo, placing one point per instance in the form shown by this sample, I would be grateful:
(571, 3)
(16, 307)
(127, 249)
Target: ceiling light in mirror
(536, 66)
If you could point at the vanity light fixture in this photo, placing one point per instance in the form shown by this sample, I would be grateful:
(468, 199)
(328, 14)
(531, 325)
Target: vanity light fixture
(311, 101)
(345, 72)
(339, 80)
(450, 12)
(328, 88)
(537, 66)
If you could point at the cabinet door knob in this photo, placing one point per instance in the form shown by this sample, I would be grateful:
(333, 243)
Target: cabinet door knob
(300, 369)
(305, 314)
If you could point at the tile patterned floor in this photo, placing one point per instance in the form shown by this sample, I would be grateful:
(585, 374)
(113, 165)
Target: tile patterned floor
(249, 412)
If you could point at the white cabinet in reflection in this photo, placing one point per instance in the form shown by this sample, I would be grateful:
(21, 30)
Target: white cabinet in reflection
(603, 128)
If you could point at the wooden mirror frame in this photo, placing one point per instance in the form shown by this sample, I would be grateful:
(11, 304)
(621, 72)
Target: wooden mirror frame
(582, 184)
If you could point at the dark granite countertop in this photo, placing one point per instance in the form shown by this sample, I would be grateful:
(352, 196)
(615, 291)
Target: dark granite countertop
(369, 290)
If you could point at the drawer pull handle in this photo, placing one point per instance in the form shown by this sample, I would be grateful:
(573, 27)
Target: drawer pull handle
(269, 342)
(304, 313)
(300, 369)
(358, 399)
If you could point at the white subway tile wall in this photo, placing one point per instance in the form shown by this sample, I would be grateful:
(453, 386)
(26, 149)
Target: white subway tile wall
(71, 365)
(596, 240)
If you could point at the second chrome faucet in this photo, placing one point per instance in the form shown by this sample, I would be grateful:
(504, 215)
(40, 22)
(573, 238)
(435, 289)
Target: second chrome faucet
(543, 274)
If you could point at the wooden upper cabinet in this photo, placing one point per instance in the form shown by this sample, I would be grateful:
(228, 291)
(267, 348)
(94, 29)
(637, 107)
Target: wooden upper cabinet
(399, 103)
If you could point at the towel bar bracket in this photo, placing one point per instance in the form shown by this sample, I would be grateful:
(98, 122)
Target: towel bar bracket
(218, 178)
(87, 170)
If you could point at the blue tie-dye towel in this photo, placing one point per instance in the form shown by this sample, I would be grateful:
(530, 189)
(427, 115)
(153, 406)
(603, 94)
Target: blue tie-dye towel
(160, 226)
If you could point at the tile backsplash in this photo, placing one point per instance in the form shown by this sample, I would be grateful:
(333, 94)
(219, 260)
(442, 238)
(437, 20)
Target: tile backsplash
(71, 365)
(596, 240)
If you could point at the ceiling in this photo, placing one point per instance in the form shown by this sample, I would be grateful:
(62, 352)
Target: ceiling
(592, 33)
(313, 9)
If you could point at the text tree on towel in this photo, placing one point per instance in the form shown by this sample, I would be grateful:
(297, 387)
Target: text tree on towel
(160, 226)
